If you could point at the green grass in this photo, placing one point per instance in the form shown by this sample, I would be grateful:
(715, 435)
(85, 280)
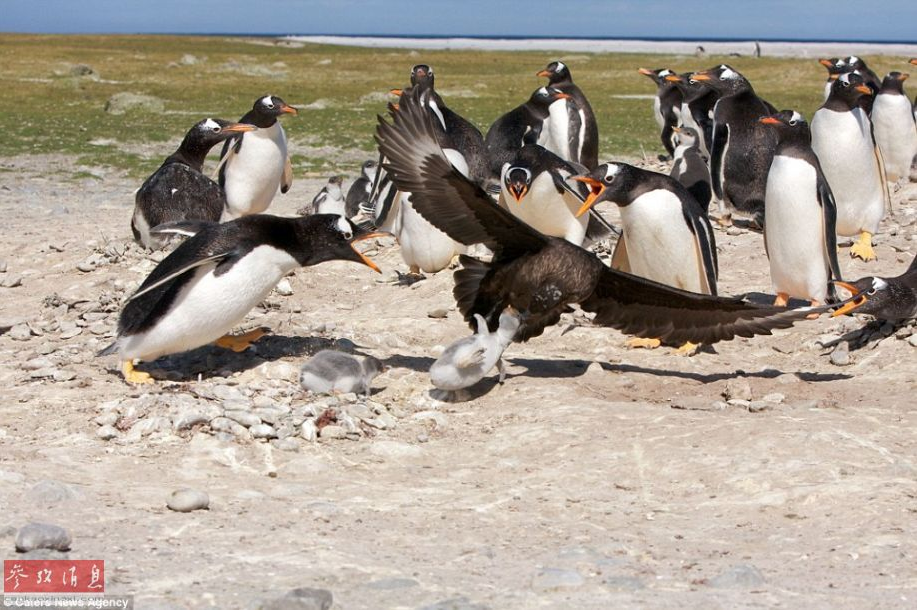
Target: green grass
(45, 109)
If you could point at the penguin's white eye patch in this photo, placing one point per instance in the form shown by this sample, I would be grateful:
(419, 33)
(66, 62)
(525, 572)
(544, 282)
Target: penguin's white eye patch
(878, 285)
(344, 227)
(212, 126)
(610, 172)
(853, 59)
(560, 66)
(796, 118)
(727, 74)
(543, 91)
(267, 101)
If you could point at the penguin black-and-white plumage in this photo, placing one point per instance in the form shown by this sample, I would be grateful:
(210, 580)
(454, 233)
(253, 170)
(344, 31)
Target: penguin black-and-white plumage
(359, 192)
(689, 167)
(742, 149)
(841, 65)
(666, 104)
(697, 105)
(800, 216)
(213, 279)
(892, 298)
(178, 190)
(582, 131)
(843, 141)
(520, 126)
(254, 166)
(665, 233)
(894, 127)
(330, 200)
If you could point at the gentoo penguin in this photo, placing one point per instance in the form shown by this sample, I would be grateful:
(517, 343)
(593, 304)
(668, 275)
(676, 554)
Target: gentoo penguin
(800, 216)
(330, 371)
(883, 298)
(665, 233)
(359, 191)
(697, 105)
(894, 128)
(466, 361)
(254, 166)
(522, 125)
(330, 200)
(209, 283)
(538, 275)
(689, 167)
(178, 190)
(742, 149)
(666, 104)
(914, 62)
(842, 140)
(583, 140)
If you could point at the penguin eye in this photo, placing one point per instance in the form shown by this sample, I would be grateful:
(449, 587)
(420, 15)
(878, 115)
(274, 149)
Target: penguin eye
(793, 121)
(845, 83)
(216, 129)
(270, 105)
(348, 235)
(871, 292)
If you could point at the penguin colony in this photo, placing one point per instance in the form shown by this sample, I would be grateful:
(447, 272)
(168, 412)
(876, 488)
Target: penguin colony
(514, 208)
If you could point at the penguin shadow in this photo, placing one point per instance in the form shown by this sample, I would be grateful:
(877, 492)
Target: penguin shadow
(861, 337)
(212, 361)
(805, 376)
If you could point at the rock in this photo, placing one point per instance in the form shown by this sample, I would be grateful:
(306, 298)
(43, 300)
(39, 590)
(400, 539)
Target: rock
(283, 288)
(69, 330)
(21, 332)
(840, 356)
(37, 363)
(300, 598)
(734, 231)
(289, 444)
(86, 266)
(738, 576)
(438, 313)
(81, 70)
(11, 281)
(188, 499)
(622, 582)
(333, 431)
(107, 432)
(461, 602)
(107, 419)
(244, 418)
(548, 579)
(440, 420)
(912, 340)
(37, 535)
(188, 60)
(50, 492)
(188, 418)
(63, 375)
(263, 431)
(774, 397)
(125, 101)
(308, 431)
(758, 406)
(737, 388)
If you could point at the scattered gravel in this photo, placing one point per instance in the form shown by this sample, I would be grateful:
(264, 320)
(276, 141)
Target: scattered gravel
(300, 598)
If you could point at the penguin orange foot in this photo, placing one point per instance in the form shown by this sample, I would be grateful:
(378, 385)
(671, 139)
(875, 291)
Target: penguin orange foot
(643, 342)
(862, 248)
(687, 349)
(133, 376)
(239, 343)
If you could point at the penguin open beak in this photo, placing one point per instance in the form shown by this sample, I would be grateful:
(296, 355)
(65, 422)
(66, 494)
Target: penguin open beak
(903, 76)
(286, 108)
(863, 89)
(545, 73)
(397, 92)
(238, 128)
(769, 121)
(596, 188)
(518, 192)
(701, 76)
(676, 129)
(646, 72)
(826, 63)
(363, 258)
(856, 300)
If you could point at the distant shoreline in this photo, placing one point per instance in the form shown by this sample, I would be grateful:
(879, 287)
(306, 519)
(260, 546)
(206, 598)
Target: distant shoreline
(776, 48)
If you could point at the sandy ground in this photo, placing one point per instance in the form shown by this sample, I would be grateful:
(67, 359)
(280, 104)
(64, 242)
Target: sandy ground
(596, 476)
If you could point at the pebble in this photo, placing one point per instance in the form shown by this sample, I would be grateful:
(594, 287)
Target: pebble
(290, 444)
(11, 281)
(758, 406)
(912, 340)
(308, 431)
(37, 535)
(840, 356)
(37, 363)
(108, 418)
(734, 231)
(438, 313)
(738, 388)
(188, 418)
(86, 266)
(738, 576)
(774, 397)
(51, 492)
(263, 431)
(452, 604)
(20, 332)
(439, 419)
(333, 431)
(244, 418)
(188, 499)
(549, 579)
(283, 288)
(69, 329)
(300, 598)
(107, 432)
(63, 375)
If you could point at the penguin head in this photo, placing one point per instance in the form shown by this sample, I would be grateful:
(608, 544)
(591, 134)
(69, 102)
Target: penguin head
(835, 65)
(868, 295)
(659, 75)
(545, 96)
(334, 185)
(607, 182)
(209, 132)
(790, 125)
(331, 237)
(368, 169)
(422, 75)
(271, 107)
(371, 367)
(555, 72)
(853, 62)
(517, 181)
(849, 87)
(685, 136)
(510, 321)
(722, 78)
(913, 61)
(893, 83)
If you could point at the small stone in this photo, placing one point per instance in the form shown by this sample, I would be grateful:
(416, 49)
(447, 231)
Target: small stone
(120, 103)
(188, 499)
(189, 418)
(244, 418)
(912, 340)
(758, 406)
(453, 604)
(99, 328)
(738, 403)
(86, 266)
(840, 356)
(300, 598)
(263, 431)
(737, 388)
(21, 332)
(283, 288)
(289, 444)
(440, 420)
(221, 424)
(11, 281)
(37, 363)
(422, 438)
(734, 231)
(106, 432)
(308, 430)
(549, 579)
(622, 582)
(42, 536)
(69, 330)
(438, 313)
(774, 397)
(63, 375)
(739, 576)
(107, 419)
(333, 431)
(51, 492)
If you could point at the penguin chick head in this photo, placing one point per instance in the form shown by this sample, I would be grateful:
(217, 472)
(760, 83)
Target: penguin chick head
(371, 367)
(209, 132)
(607, 182)
(331, 237)
(422, 75)
(368, 169)
(272, 106)
(555, 72)
(850, 87)
(685, 136)
(722, 78)
(867, 296)
(510, 321)
(517, 181)
(545, 96)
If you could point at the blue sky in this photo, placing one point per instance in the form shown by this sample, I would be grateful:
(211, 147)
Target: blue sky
(880, 20)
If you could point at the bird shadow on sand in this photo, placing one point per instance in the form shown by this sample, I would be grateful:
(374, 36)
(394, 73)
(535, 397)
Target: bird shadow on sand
(805, 376)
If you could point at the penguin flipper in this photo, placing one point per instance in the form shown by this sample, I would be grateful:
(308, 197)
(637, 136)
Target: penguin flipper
(230, 148)
(717, 150)
(178, 272)
(704, 243)
(187, 228)
(619, 258)
(883, 178)
(287, 181)
(470, 358)
(829, 224)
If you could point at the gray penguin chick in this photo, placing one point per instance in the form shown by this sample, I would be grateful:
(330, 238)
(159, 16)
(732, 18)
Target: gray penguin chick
(469, 359)
(330, 371)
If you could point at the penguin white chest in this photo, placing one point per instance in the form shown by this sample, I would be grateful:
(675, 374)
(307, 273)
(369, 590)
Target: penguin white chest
(795, 230)
(896, 133)
(657, 112)
(422, 244)
(253, 175)
(557, 126)
(660, 245)
(548, 211)
(210, 305)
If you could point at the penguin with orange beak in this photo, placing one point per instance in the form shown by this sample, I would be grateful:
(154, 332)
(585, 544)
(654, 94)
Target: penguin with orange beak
(573, 120)
(883, 298)
(666, 104)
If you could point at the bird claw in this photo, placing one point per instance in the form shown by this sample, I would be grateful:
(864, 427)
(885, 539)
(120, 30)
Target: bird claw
(132, 376)
(862, 248)
(687, 349)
